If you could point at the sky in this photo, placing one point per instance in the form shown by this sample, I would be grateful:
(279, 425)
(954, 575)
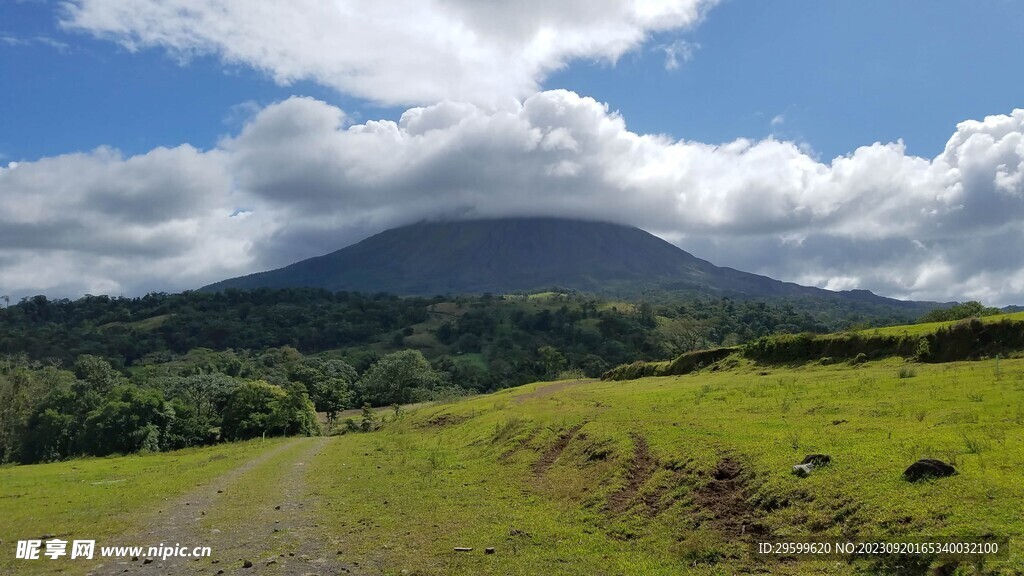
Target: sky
(161, 145)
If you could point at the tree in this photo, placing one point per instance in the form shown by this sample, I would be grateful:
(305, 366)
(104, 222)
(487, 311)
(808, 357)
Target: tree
(20, 392)
(51, 436)
(972, 309)
(97, 374)
(293, 413)
(329, 383)
(133, 419)
(199, 402)
(552, 360)
(257, 408)
(682, 336)
(249, 410)
(398, 378)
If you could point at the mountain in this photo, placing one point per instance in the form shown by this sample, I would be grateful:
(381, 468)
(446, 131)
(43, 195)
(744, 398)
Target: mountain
(522, 254)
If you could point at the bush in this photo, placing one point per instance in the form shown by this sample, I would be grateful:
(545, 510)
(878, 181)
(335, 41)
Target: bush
(906, 372)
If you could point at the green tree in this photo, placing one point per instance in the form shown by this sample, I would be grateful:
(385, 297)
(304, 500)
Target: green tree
(97, 374)
(329, 383)
(972, 309)
(257, 407)
(552, 361)
(21, 390)
(51, 435)
(398, 378)
(132, 419)
(293, 414)
(247, 414)
(199, 402)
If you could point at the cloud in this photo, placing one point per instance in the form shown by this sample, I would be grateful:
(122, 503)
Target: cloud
(395, 52)
(301, 179)
(19, 41)
(678, 52)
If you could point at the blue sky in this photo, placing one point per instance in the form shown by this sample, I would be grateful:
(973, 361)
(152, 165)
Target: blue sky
(163, 145)
(839, 74)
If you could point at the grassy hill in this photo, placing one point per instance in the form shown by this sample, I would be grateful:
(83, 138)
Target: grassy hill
(652, 476)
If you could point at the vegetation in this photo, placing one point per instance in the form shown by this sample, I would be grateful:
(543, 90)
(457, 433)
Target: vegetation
(657, 476)
(481, 343)
(972, 309)
(165, 372)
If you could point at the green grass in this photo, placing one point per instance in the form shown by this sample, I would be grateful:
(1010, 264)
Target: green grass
(633, 491)
(420, 490)
(99, 498)
(932, 327)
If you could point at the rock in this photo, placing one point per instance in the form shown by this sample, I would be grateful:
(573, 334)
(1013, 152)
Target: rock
(463, 549)
(488, 550)
(278, 507)
(247, 564)
(219, 572)
(818, 460)
(135, 558)
(928, 468)
(802, 470)
(147, 561)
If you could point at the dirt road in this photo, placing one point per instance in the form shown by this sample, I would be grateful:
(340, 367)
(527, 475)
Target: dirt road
(278, 537)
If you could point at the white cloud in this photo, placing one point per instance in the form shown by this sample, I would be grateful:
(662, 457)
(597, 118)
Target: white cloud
(394, 52)
(302, 180)
(678, 52)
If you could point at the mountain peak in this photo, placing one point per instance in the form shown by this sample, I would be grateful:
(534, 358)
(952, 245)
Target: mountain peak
(504, 255)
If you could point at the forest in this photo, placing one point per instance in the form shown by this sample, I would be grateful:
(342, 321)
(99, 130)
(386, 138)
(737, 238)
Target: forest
(102, 375)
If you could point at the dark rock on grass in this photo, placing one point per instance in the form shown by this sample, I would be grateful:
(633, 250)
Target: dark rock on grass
(803, 470)
(928, 468)
(488, 550)
(810, 462)
(818, 460)
(247, 564)
(147, 561)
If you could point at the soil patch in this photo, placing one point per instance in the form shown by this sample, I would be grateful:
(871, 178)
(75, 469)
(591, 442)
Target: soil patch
(724, 496)
(555, 450)
(641, 467)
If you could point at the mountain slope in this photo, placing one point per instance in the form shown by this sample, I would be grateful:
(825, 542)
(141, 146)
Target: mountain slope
(516, 254)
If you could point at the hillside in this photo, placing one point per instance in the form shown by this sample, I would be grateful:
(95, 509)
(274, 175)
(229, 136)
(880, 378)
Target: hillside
(656, 476)
(524, 254)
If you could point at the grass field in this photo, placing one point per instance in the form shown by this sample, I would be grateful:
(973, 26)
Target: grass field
(930, 327)
(653, 476)
(103, 499)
